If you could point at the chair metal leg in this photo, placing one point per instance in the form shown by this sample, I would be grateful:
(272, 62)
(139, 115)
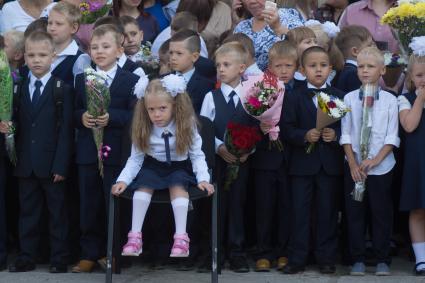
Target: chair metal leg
(111, 221)
(214, 246)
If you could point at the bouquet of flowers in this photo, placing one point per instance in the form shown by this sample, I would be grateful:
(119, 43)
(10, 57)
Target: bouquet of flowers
(146, 60)
(395, 65)
(6, 104)
(91, 10)
(407, 21)
(369, 92)
(262, 98)
(98, 99)
(239, 140)
(330, 110)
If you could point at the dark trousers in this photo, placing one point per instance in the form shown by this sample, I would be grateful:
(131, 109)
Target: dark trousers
(232, 208)
(272, 199)
(33, 193)
(94, 201)
(318, 191)
(3, 224)
(378, 199)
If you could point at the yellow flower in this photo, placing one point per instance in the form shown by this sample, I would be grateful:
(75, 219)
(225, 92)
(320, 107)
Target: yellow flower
(419, 10)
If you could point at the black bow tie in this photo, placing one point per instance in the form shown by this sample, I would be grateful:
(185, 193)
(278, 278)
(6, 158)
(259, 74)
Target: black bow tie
(313, 91)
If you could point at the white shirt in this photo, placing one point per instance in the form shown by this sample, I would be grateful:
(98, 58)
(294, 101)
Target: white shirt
(253, 70)
(14, 17)
(43, 80)
(384, 128)
(404, 104)
(353, 62)
(139, 71)
(83, 61)
(208, 106)
(157, 151)
(110, 74)
(165, 35)
(188, 75)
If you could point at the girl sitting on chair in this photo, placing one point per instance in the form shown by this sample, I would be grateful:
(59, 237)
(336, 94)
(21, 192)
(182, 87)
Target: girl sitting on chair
(164, 135)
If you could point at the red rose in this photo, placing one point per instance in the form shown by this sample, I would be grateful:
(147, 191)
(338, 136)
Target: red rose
(331, 104)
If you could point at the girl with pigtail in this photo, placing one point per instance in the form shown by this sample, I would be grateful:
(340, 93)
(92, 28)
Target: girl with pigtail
(165, 142)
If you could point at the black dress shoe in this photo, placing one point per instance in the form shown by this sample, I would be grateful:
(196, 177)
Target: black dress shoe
(293, 269)
(21, 265)
(58, 268)
(239, 264)
(205, 266)
(327, 269)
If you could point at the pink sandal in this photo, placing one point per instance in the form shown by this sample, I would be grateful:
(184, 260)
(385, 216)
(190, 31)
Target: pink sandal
(134, 244)
(180, 246)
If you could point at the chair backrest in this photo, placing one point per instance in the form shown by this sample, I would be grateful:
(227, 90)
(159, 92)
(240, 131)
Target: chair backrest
(206, 131)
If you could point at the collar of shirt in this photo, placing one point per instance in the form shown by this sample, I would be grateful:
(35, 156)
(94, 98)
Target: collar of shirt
(110, 73)
(188, 75)
(367, 4)
(227, 89)
(122, 60)
(298, 76)
(353, 62)
(171, 127)
(43, 80)
(309, 85)
(70, 50)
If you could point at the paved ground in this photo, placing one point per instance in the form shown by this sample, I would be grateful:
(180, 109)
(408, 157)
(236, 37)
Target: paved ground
(401, 270)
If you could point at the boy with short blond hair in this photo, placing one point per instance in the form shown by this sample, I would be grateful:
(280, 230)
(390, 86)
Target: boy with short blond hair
(222, 106)
(377, 170)
(63, 22)
(14, 48)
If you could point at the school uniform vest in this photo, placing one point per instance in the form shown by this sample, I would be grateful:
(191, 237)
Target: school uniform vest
(225, 113)
(130, 66)
(64, 71)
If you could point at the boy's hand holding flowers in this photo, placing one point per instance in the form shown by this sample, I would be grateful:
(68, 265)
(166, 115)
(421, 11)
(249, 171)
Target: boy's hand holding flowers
(368, 164)
(103, 120)
(5, 127)
(328, 135)
(312, 135)
(88, 120)
(226, 155)
(357, 173)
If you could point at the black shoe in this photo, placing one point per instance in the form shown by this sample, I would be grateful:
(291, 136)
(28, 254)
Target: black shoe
(293, 269)
(205, 266)
(420, 272)
(327, 269)
(21, 265)
(239, 264)
(186, 264)
(58, 268)
(3, 266)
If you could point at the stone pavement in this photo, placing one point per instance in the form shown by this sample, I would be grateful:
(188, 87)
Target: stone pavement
(401, 270)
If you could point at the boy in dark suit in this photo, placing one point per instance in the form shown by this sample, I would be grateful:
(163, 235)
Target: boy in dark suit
(43, 142)
(222, 106)
(184, 52)
(350, 40)
(315, 177)
(3, 224)
(105, 48)
(271, 181)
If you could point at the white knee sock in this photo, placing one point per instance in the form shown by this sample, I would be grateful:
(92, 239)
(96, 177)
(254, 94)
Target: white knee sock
(180, 207)
(419, 249)
(141, 201)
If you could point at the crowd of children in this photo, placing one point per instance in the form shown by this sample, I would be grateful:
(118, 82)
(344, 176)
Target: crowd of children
(301, 200)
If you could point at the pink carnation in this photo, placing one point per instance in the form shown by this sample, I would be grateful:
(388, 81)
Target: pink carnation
(254, 102)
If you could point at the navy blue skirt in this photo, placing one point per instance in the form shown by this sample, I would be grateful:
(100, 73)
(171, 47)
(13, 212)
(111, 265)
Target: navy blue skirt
(157, 175)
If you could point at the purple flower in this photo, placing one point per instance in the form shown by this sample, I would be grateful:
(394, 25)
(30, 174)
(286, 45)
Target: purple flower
(95, 5)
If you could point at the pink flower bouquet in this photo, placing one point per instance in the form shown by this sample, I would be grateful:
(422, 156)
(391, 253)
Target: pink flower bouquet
(262, 97)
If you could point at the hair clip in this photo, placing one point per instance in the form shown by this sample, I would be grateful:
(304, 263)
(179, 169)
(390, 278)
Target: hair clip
(174, 84)
(140, 87)
(418, 45)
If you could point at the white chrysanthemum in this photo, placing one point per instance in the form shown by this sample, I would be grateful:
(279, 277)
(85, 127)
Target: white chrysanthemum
(140, 87)
(335, 113)
(418, 45)
(340, 104)
(323, 96)
(310, 23)
(174, 84)
(330, 28)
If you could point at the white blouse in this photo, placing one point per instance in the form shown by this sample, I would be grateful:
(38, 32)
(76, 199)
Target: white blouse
(157, 151)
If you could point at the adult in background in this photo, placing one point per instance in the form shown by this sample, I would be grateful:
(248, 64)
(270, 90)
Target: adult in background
(368, 13)
(330, 11)
(135, 9)
(156, 9)
(19, 14)
(266, 26)
(214, 18)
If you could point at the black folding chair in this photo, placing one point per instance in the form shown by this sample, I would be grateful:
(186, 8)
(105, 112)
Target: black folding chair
(208, 147)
